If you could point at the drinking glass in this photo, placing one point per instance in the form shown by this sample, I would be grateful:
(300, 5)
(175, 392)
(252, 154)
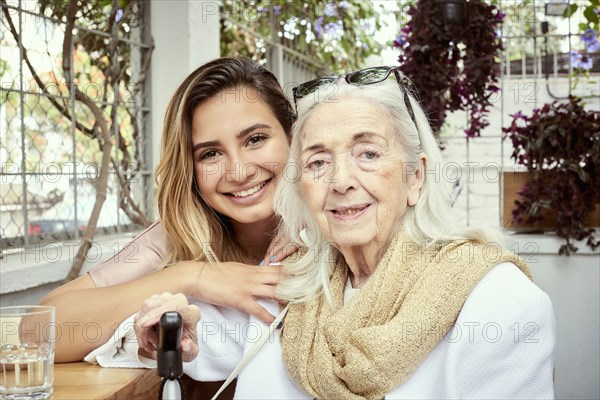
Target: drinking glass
(27, 338)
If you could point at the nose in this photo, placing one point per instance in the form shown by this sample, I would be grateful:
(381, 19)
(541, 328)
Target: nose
(238, 169)
(343, 178)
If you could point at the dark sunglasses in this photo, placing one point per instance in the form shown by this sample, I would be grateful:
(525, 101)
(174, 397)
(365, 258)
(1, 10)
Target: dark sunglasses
(367, 76)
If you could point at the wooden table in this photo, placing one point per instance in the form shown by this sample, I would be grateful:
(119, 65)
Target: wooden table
(81, 381)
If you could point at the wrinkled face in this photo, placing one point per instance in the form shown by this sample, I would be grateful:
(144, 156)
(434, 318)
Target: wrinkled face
(239, 150)
(354, 176)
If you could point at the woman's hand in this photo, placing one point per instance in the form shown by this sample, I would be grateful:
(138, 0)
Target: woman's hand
(280, 247)
(237, 285)
(147, 319)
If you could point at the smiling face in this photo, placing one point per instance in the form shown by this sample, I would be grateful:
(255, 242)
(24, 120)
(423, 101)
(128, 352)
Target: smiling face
(355, 178)
(239, 150)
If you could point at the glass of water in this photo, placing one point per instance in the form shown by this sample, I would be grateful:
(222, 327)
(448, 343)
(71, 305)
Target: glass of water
(27, 337)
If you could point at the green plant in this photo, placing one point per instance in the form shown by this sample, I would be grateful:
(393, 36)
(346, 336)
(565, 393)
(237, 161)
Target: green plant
(559, 144)
(455, 66)
(581, 59)
(338, 35)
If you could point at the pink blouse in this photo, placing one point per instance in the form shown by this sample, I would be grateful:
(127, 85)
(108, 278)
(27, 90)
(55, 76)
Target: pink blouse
(141, 256)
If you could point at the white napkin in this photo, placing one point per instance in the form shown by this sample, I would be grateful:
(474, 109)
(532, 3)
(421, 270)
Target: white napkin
(120, 351)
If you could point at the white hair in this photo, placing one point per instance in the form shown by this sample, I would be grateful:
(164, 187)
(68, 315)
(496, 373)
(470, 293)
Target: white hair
(428, 223)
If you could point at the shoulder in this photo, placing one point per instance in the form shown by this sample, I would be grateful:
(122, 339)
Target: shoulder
(154, 232)
(507, 321)
(506, 291)
(152, 238)
(141, 256)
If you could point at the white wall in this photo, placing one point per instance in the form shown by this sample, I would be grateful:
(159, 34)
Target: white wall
(186, 35)
(573, 284)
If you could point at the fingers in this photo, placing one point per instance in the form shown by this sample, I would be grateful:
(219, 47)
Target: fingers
(153, 337)
(238, 285)
(261, 313)
(281, 253)
(270, 278)
(149, 316)
(147, 339)
(153, 308)
(287, 251)
(279, 248)
(189, 349)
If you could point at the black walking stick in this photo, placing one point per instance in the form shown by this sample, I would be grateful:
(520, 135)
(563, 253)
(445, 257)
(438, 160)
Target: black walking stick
(169, 356)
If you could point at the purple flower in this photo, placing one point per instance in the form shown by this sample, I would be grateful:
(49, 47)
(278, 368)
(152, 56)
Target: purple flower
(334, 29)
(580, 61)
(330, 9)
(589, 35)
(277, 10)
(400, 41)
(119, 15)
(590, 38)
(319, 26)
(500, 16)
(593, 47)
(344, 4)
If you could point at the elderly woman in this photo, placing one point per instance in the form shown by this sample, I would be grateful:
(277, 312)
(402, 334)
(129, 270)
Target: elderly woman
(389, 296)
(389, 274)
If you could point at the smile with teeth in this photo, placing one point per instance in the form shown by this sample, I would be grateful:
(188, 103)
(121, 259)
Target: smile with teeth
(246, 193)
(349, 211)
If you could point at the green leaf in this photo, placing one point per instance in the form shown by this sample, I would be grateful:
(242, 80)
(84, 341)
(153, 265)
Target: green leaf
(583, 27)
(590, 14)
(570, 10)
(595, 2)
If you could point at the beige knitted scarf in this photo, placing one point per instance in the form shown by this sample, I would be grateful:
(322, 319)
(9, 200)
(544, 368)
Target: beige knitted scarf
(375, 342)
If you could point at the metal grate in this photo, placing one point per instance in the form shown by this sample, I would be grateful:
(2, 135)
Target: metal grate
(49, 143)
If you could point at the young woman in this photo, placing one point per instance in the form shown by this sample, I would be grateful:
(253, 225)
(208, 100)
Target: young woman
(225, 142)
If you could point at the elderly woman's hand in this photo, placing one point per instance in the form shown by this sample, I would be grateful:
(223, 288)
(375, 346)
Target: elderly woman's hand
(147, 319)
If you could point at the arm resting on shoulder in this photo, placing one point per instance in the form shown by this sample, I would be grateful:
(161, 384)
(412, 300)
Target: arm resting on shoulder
(87, 315)
(90, 308)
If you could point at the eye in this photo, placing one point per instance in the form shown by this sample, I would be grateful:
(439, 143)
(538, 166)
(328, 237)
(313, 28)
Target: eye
(369, 154)
(208, 155)
(318, 162)
(256, 139)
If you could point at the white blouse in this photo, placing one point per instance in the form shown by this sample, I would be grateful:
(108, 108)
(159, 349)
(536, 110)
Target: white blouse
(500, 347)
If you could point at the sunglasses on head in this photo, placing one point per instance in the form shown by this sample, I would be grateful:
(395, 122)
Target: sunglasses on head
(367, 76)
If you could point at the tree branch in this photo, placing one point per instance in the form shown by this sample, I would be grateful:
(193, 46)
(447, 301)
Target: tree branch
(102, 182)
(36, 77)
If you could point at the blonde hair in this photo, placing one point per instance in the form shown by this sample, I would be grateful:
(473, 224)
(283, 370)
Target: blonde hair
(195, 230)
(429, 222)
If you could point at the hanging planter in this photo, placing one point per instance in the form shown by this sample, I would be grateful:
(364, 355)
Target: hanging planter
(516, 183)
(559, 145)
(451, 52)
(453, 13)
